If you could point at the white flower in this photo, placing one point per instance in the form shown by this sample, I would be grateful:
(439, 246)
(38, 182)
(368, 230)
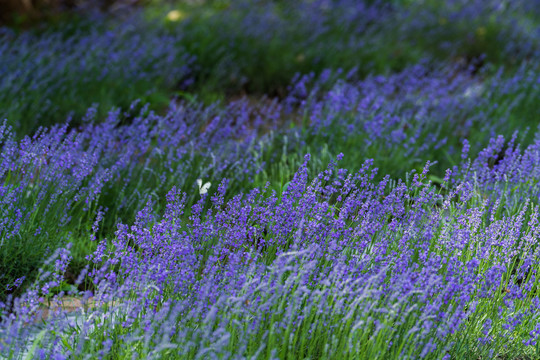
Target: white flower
(203, 189)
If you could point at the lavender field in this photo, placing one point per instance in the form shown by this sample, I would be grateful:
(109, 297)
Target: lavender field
(265, 179)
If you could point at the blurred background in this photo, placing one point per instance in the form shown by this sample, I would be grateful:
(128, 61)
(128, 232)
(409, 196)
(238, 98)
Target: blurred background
(58, 58)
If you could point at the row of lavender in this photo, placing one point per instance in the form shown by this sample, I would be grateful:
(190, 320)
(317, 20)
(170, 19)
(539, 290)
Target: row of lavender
(377, 270)
(308, 262)
(243, 46)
